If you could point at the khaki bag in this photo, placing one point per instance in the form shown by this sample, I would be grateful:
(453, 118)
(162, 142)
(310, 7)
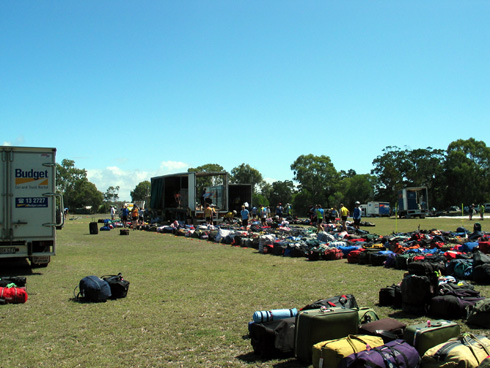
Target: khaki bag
(466, 351)
(328, 354)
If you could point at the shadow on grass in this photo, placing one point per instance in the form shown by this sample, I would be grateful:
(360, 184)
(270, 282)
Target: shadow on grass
(252, 358)
(16, 267)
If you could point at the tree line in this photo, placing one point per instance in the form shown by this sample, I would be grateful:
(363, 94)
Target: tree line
(455, 176)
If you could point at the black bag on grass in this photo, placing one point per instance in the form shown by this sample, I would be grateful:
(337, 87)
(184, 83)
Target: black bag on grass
(93, 289)
(19, 281)
(119, 286)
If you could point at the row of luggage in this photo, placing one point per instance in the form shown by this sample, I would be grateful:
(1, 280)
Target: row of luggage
(338, 336)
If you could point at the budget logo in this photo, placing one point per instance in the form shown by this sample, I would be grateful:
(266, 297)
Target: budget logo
(31, 177)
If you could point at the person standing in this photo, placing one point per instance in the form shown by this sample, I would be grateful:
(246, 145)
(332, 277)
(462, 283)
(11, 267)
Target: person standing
(134, 217)
(344, 213)
(113, 212)
(319, 217)
(245, 214)
(279, 210)
(263, 215)
(471, 210)
(357, 215)
(124, 215)
(208, 213)
(482, 211)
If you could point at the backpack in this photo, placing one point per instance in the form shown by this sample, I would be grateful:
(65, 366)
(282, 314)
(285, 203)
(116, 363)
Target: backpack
(119, 286)
(93, 289)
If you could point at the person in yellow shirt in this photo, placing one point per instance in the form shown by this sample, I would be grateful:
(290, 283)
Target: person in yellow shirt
(344, 213)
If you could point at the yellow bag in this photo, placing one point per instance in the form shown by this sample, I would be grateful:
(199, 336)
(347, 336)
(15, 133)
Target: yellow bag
(466, 351)
(328, 354)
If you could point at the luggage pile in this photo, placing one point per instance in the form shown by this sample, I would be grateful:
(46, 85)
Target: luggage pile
(336, 332)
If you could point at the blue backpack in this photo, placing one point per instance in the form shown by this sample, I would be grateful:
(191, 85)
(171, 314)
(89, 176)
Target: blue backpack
(93, 289)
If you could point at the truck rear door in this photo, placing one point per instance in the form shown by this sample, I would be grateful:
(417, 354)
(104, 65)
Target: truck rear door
(31, 188)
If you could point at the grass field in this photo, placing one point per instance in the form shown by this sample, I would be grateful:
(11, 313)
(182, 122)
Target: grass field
(188, 304)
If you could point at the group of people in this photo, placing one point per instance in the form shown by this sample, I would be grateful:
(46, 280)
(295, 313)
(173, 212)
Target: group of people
(320, 216)
(133, 217)
(477, 209)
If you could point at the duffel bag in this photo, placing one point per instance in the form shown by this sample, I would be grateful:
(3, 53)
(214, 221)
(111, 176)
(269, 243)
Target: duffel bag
(396, 353)
(466, 351)
(451, 306)
(328, 354)
(93, 289)
(479, 314)
(119, 286)
(18, 281)
(12, 295)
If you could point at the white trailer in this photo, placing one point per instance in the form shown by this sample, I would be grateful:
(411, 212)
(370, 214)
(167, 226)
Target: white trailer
(30, 208)
(376, 209)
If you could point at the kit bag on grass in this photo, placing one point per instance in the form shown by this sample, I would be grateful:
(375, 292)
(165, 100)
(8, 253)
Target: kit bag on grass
(274, 339)
(396, 353)
(345, 300)
(388, 329)
(93, 289)
(451, 306)
(12, 295)
(119, 286)
(390, 296)
(19, 281)
(479, 314)
(466, 351)
(423, 336)
(328, 354)
(416, 293)
(316, 325)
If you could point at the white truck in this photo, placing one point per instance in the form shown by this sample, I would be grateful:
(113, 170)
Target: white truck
(30, 208)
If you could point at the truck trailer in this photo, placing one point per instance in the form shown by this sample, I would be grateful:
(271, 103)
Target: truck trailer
(413, 202)
(375, 209)
(184, 196)
(31, 210)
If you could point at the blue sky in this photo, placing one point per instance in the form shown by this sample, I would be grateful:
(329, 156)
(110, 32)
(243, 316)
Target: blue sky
(131, 90)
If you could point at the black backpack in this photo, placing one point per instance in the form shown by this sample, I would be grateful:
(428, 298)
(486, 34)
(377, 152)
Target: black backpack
(93, 289)
(119, 286)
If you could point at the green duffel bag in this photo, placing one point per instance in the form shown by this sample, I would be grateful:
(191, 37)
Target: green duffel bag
(466, 351)
(479, 314)
(328, 354)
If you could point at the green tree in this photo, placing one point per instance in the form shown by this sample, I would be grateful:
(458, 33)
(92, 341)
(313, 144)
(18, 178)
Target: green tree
(467, 172)
(357, 188)
(111, 195)
(245, 174)
(208, 181)
(67, 175)
(318, 180)
(141, 192)
(389, 176)
(281, 192)
(84, 193)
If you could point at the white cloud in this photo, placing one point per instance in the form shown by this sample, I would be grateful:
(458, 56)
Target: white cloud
(173, 166)
(128, 179)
